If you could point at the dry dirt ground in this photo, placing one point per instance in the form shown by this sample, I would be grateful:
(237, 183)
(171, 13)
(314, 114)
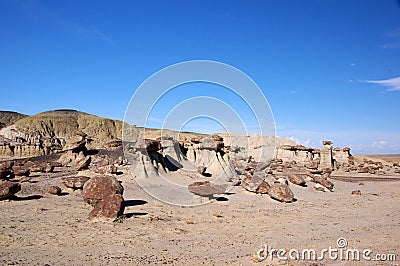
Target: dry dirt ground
(54, 230)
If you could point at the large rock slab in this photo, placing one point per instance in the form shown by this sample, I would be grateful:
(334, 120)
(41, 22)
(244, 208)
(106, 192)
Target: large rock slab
(205, 188)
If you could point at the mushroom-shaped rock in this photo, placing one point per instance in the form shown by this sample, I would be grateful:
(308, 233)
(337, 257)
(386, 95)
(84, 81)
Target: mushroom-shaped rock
(78, 146)
(75, 182)
(83, 163)
(8, 189)
(53, 190)
(109, 208)
(80, 133)
(296, 179)
(205, 188)
(99, 187)
(281, 192)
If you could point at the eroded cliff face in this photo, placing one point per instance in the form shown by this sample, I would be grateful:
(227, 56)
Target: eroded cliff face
(52, 131)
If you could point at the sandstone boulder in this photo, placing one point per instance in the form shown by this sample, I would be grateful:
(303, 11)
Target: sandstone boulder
(296, 179)
(281, 192)
(263, 188)
(8, 189)
(99, 187)
(75, 182)
(109, 208)
(251, 183)
(53, 190)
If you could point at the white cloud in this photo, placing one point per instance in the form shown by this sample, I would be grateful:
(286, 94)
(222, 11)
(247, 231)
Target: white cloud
(302, 142)
(393, 84)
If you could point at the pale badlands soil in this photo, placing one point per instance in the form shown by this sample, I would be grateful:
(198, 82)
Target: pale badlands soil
(54, 230)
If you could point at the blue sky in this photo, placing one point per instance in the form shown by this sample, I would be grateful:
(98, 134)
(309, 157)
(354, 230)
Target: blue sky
(329, 69)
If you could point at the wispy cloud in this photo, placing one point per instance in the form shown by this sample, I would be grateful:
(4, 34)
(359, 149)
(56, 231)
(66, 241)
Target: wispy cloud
(392, 84)
(393, 39)
(93, 32)
(37, 12)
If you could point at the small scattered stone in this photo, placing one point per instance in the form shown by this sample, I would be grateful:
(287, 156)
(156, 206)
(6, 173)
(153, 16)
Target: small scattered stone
(356, 192)
(75, 182)
(54, 190)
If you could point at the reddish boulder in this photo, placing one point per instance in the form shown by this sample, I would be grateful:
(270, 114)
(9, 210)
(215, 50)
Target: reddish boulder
(296, 179)
(8, 189)
(99, 187)
(281, 192)
(109, 208)
(53, 190)
(263, 188)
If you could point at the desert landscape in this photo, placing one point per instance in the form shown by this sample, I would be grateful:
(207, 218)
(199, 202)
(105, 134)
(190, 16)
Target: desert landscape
(199, 132)
(71, 195)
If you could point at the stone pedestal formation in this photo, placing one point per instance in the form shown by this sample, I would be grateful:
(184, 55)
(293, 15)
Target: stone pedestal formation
(326, 161)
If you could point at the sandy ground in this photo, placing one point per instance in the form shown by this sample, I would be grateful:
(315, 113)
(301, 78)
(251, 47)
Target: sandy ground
(54, 230)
